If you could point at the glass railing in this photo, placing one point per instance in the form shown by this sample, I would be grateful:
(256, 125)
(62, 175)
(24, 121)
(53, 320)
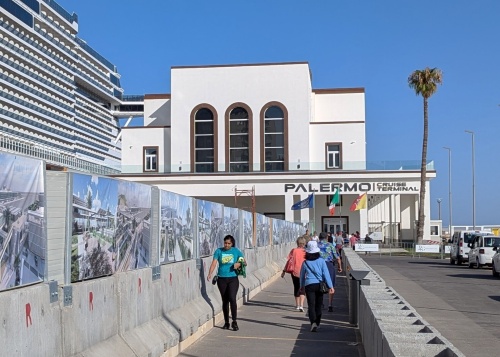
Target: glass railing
(398, 165)
(89, 130)
(38, 109)
(29, 57)
(35, 45)
(94, 82)
(133, 98)
(35, 92)
(36, 124)
(35, 77)
(95, 54)
(59, 45)
(61, 11)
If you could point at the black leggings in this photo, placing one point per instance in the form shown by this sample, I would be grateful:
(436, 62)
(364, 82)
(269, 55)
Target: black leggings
(296, 286)
(228, 288)
(314, 302)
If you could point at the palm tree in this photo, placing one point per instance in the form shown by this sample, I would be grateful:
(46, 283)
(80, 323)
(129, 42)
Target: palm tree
(424, 82)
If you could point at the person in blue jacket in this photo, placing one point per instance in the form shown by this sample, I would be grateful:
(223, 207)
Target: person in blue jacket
(227, 282)
(314, 270)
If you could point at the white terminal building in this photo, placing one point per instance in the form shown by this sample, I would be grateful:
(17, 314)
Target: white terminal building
(222, 134)
(230, 133)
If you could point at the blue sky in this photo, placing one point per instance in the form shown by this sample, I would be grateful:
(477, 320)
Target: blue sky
(370, 44)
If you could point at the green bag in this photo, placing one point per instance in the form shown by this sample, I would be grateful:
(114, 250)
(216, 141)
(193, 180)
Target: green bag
(242, 270)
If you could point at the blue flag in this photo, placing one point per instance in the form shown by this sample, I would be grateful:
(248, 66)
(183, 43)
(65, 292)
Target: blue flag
(305, 203)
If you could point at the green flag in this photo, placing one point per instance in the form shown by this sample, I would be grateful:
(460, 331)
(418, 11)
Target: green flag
(335, 200)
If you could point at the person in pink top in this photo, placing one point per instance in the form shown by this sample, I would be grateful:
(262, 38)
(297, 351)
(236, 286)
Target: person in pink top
(294, 263)
(353, 240)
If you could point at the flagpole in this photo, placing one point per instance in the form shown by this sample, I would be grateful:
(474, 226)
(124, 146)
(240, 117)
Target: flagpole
(314, 213)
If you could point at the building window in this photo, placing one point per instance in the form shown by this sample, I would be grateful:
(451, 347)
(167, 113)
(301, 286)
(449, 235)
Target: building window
(151, 159)
(274, 140)
(239, 138)
(333, 155)
(204, 141)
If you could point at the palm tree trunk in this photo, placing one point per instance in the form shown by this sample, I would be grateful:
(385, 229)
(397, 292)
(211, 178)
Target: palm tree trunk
(423, 175)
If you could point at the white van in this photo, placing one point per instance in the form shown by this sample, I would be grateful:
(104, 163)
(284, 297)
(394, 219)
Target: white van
(481, 250)
(459, 251)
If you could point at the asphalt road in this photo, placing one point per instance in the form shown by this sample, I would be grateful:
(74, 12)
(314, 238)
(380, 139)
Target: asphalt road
(462, 304)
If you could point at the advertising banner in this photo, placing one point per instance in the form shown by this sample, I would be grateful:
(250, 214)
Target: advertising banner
(23, 237)
(176, 235)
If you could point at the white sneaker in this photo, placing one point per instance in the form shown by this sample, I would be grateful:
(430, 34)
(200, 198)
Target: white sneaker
(314, 327)
(317, 327)
(301, 309)
(297, 308)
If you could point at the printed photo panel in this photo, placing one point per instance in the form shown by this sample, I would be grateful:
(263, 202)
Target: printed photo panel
(23, 239)
(263, 230)
(210, 227)
(133, 228)
(176, 227)
(277, 230)
(231, 224)
(94, 208)
(247, 229)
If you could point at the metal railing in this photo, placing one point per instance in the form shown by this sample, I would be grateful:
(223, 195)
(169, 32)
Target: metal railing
(10, 143)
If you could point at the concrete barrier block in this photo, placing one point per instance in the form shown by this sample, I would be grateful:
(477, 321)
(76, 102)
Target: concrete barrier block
(93, 316)
(153, 338)
(30, 323)
(113, 346)
(138, 298)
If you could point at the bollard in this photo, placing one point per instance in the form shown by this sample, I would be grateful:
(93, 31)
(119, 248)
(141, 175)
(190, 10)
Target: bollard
(357, 279)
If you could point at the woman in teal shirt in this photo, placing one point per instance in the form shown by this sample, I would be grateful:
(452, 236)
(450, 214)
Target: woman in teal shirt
(227, 281)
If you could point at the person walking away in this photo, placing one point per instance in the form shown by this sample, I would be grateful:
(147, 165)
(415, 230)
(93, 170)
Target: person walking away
(339, 242)
(312, 273)
(368, 240)
(227, 258)
(352, 241)
(294, 262)
(329, 254)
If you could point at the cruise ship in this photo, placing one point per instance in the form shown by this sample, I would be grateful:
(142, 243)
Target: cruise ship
(60, 100)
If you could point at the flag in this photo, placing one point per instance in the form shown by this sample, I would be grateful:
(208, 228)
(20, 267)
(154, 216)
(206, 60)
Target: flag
(305, 203)
(359, 203)
(335, 200)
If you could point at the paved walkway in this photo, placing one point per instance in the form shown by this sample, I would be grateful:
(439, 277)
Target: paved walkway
(270, 326)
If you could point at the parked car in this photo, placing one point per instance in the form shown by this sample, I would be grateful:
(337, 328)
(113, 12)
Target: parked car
(495, 262)
(481, 250)
(459, 251)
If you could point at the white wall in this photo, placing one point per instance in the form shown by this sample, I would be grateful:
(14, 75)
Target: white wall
(133, 141)
(157, 112)
(339, 107)
(254, 85)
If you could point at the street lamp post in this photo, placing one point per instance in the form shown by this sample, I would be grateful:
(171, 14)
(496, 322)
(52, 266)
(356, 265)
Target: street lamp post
(473, 184)
(449, 189)
(439, 200)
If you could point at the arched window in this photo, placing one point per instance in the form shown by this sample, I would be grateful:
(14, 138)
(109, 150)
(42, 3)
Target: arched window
(275, 139)
(204, 140)
(239, 130)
